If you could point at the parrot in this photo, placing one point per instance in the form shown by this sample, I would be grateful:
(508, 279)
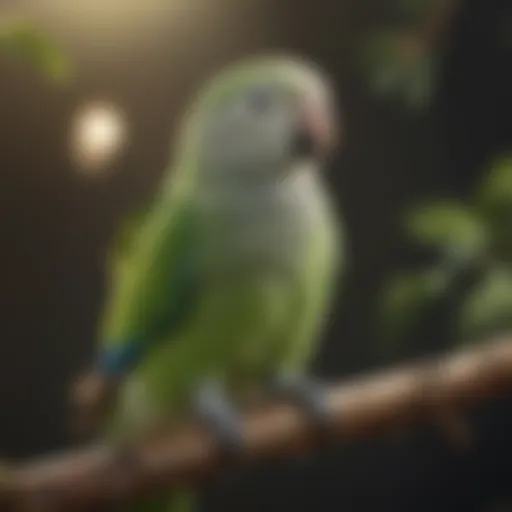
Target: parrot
(227, 283)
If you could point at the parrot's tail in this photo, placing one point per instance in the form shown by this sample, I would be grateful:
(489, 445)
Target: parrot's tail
(170, 501)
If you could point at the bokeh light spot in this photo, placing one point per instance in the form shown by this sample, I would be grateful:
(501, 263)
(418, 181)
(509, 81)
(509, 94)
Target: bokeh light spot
(99, 135)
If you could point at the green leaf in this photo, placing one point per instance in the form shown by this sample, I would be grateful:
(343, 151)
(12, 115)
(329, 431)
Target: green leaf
(379, 60)
(26, 41)
(407, 298)
(488, 307)
(450, 227)
(496, 190)
(494, 200)
(397, 63)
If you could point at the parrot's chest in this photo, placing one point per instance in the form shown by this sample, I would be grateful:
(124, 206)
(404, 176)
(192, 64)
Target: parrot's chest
(270, 226)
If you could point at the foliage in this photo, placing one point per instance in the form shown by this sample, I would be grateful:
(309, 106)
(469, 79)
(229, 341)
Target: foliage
(408, 297)
(470, 276)
(467, 239)
(476, 235)
(402, 63)
(22, 39)
(488, 306)
(454, 229)
(495, 196)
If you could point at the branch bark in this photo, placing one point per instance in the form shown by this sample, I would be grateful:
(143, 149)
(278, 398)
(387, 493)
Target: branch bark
(85, 479)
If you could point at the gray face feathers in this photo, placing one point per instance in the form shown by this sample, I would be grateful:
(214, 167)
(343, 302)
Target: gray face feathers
(266, 116)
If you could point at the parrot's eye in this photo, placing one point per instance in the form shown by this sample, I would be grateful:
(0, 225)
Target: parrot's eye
(258, 101)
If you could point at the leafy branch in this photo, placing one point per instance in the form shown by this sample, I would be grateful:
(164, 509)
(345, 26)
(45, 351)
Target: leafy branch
(468, 238)
(403, 62)
(23, 40)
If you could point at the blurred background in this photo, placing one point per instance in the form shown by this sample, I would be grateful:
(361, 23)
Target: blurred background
(425, 88)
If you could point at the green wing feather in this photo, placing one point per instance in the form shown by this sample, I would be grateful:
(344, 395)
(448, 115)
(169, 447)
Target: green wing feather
(153, 275)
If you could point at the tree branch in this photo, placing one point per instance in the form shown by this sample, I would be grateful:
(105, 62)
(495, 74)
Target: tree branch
(88, 478)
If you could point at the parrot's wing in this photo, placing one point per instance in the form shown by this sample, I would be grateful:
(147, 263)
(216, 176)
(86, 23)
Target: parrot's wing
(122, 245)
(232, 336)
(153, 286)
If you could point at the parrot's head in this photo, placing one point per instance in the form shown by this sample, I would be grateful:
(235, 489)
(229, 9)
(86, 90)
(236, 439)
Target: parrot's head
(262, 116)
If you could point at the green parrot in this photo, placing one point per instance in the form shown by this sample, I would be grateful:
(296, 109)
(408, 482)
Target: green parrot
(227, 282)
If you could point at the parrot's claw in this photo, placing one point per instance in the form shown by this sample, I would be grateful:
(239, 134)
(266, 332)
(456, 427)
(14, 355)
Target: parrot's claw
(213, 407)
(306, 393)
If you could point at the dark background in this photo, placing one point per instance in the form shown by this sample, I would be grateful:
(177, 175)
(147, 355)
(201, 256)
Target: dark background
(55, 223)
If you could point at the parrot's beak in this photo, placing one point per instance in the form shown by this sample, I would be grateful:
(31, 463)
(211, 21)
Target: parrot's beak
(317, 134)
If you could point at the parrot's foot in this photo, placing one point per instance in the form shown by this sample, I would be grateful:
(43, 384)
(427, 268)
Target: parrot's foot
(308, 394)
(214, 408)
